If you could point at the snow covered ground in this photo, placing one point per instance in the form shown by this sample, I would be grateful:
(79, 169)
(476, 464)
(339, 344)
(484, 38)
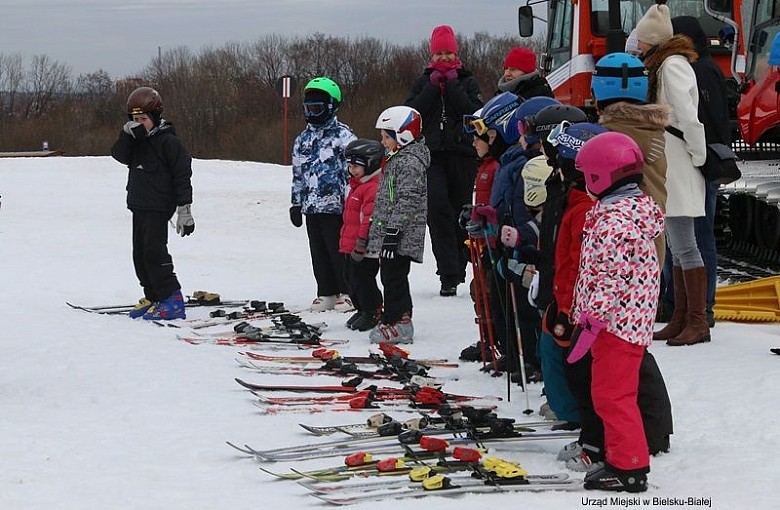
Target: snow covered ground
(101, 412)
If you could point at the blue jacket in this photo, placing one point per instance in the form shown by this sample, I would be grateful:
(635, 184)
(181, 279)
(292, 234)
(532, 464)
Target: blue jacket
(319, 168)
(508, 188)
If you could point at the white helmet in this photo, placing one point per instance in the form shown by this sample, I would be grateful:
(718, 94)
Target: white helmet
(535, 174)
(402, 122)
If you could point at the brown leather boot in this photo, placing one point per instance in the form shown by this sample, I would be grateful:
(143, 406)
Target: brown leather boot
(697, 329)
(677, 323)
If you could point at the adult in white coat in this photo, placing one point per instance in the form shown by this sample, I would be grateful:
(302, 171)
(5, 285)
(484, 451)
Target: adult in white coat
(672, 82)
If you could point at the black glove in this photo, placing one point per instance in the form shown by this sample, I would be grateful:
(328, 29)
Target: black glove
(360, 249)
(465, 216)
(559, 325)
(134, 129)
(296, 218)
(390, 243)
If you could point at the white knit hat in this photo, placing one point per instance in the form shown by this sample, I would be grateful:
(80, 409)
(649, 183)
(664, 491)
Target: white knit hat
(632, 43)
(655, 27)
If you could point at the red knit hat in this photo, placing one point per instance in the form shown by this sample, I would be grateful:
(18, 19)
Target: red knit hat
(522, 59)
(443, 39)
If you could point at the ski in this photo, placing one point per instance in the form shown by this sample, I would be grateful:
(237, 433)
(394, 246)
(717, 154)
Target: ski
(326, 354)
(275, 328)
(328, 487)
(392, 445)
(363, 464)
(302, 343)
(451, 486)
(365, 429)
(124, 309)
(325, 388)
(331, 367)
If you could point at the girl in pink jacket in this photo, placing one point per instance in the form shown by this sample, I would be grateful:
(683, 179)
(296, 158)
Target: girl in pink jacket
(615, 298)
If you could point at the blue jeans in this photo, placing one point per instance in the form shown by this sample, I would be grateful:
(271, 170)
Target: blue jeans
(560, 398)
(704, 227)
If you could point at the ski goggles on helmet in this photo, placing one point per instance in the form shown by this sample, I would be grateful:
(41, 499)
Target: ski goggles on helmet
(557, 131)
(357, 160)
(474, 125)
(315, 108)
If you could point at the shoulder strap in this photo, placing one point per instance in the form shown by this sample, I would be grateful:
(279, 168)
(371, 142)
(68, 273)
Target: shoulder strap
(676, 132)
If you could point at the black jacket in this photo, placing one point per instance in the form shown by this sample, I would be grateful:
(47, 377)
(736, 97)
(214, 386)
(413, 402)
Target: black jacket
(442, 111)
(159, 167)
(532, 86)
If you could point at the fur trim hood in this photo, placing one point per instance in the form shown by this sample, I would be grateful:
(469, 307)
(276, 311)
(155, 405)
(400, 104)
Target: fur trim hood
(649, 114)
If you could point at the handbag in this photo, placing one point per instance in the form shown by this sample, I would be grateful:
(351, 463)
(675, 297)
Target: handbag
(721, 162)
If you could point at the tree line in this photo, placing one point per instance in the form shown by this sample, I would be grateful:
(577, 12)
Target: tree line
(222, 100)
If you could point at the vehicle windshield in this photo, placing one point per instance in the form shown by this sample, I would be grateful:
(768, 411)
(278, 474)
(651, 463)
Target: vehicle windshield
(631, 11)
(763, 26)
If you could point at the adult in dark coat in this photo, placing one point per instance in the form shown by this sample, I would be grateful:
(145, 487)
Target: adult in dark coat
(443, 94)
(713, 113)
(521, 76)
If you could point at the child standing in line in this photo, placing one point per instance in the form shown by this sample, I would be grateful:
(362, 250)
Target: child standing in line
(158, 183)
(397, 234)
(615, 298)
(319, 180)
(363, 161)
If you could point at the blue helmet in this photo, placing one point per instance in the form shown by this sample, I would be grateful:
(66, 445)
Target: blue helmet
(528, 109)
(569, 138)
(498, 114)
(619, 77)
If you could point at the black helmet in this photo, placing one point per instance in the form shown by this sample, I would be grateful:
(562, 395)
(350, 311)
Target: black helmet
(144, 100)
(549, 117)
(364, 152)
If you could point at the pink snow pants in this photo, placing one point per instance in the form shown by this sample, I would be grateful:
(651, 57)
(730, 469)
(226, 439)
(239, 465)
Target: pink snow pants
(615, 385)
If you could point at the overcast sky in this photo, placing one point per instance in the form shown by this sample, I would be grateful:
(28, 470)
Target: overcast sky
(122, 36)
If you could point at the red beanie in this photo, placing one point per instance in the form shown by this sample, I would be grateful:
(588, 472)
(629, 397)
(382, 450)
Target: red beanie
(522, 59)
(443, 39)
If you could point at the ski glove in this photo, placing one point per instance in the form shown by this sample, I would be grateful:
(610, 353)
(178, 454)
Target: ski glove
(134, 129)
(296, 218)
(559, 324)
(484, 222)
(520, 272)
(465, 216)
(360, 250)
(585, 333)
(390, 243)
(185, 223)
(510, 237)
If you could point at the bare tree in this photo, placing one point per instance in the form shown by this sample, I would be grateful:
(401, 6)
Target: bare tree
(46, 80)
(11, 76)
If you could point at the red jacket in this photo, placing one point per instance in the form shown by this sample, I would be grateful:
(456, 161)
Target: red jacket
(568, 246)
(483, 184)
(358, 209)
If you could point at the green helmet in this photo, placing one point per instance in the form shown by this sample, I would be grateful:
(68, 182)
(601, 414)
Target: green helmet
(326, 85)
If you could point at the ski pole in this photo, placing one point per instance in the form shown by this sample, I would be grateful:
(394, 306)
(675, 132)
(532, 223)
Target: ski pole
(520, 348)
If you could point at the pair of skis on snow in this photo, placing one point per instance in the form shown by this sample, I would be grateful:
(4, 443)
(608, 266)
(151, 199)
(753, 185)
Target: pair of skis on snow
(463, 470)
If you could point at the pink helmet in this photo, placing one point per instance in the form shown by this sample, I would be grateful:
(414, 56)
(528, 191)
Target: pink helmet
(610, 160)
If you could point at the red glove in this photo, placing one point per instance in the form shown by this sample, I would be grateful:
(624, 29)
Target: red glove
(484, 213)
